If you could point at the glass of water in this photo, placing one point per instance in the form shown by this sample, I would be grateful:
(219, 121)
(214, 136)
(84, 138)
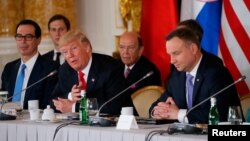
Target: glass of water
(234, 115)
(92, 106)
(3, 97)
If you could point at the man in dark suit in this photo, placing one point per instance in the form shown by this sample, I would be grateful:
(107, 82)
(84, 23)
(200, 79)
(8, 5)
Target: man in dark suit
(102, 73)
(135, 65)
(58, 25)
(28, 37)
(209, 76)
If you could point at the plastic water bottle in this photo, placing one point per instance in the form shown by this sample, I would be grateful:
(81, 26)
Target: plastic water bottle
(213, 113)
(83, 111)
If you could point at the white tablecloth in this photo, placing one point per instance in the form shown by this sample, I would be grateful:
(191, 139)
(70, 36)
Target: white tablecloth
(25, 130)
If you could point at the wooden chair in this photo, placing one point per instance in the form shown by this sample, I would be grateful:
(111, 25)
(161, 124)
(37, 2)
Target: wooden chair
(245, 104)
(144, 97)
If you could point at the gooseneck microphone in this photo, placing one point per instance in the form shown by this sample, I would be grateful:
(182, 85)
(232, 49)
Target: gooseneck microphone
(102, 121)
(188, 128)
(4, 116)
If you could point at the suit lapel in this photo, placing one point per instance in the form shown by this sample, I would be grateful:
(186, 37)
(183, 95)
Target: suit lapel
(14, 76)
(51, 54)
(199, 77)
(197, 84)
(36, 68)
(92, 78)
(182, 89)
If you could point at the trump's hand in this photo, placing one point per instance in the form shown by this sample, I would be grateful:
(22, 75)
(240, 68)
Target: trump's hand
(76, 92)
(63, 105)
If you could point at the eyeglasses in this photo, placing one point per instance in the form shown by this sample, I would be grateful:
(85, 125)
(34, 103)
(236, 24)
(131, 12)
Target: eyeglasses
(28, 37)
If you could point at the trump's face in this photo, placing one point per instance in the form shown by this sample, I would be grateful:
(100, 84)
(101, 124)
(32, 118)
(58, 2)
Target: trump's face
(77, 54)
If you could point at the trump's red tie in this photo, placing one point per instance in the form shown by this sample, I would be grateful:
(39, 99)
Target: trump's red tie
(82, 80)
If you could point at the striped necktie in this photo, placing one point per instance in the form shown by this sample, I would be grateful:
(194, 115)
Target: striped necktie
(19, 85)
(126, 73)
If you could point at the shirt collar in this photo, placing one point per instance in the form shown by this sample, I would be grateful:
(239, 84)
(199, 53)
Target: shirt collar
(130, 67)
(31, 62)
(87, 68)
(193, 72)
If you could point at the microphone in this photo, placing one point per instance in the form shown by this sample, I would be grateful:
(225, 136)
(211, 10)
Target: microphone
(187, 128)
(102, 121)
(4, 116)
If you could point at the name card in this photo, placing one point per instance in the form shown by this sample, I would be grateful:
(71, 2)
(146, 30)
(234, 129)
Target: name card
(127, 122)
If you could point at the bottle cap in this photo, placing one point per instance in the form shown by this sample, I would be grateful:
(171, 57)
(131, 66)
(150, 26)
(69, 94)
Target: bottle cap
(213, 99)
(83, 92)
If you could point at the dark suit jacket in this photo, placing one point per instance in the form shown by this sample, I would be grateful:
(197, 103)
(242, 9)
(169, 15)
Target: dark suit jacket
(211, 77)
(104, 82)
(49, 56)
(140, 69)
(40, 91)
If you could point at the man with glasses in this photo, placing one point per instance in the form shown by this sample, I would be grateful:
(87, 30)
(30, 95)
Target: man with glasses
(29, 69)
(58, 25)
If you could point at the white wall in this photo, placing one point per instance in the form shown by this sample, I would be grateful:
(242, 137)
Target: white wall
(98, 19)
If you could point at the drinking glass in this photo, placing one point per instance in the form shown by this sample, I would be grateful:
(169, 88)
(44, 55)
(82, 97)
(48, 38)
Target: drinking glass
(234, 115)
(92, 106)
(3, 97)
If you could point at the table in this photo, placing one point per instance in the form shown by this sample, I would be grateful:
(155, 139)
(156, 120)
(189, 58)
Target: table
(25, 130)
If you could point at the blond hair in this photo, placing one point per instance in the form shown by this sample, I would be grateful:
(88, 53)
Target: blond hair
(72, 36)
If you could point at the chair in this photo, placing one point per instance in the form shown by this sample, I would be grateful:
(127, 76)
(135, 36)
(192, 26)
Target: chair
(245, 104)
(144, 97)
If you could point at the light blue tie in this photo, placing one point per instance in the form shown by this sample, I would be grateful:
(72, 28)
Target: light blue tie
(19, 85)
(190, 86)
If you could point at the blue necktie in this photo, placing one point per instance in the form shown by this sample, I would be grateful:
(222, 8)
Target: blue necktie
(190, 86)
(19, 85)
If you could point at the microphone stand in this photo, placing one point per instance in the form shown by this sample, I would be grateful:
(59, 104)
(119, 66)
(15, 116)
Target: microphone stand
(4, 116)
(97, 120)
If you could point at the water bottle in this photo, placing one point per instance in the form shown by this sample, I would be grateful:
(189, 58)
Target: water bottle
(213, 113)
(83, 111)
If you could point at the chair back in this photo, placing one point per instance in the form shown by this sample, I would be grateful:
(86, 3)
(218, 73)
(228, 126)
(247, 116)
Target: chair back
(245, 104)
(144, 97)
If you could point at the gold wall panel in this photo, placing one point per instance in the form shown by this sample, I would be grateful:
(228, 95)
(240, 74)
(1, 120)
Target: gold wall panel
(42, 10)
(131, 11)
(11, 12)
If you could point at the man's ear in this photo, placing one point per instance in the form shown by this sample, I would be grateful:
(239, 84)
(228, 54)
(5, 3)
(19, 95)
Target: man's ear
(194, 48)
(141, 50)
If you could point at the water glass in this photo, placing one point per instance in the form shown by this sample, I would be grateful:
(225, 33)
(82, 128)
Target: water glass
(92, 106)
(234, 115)
(248, 115)
(3, 97)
